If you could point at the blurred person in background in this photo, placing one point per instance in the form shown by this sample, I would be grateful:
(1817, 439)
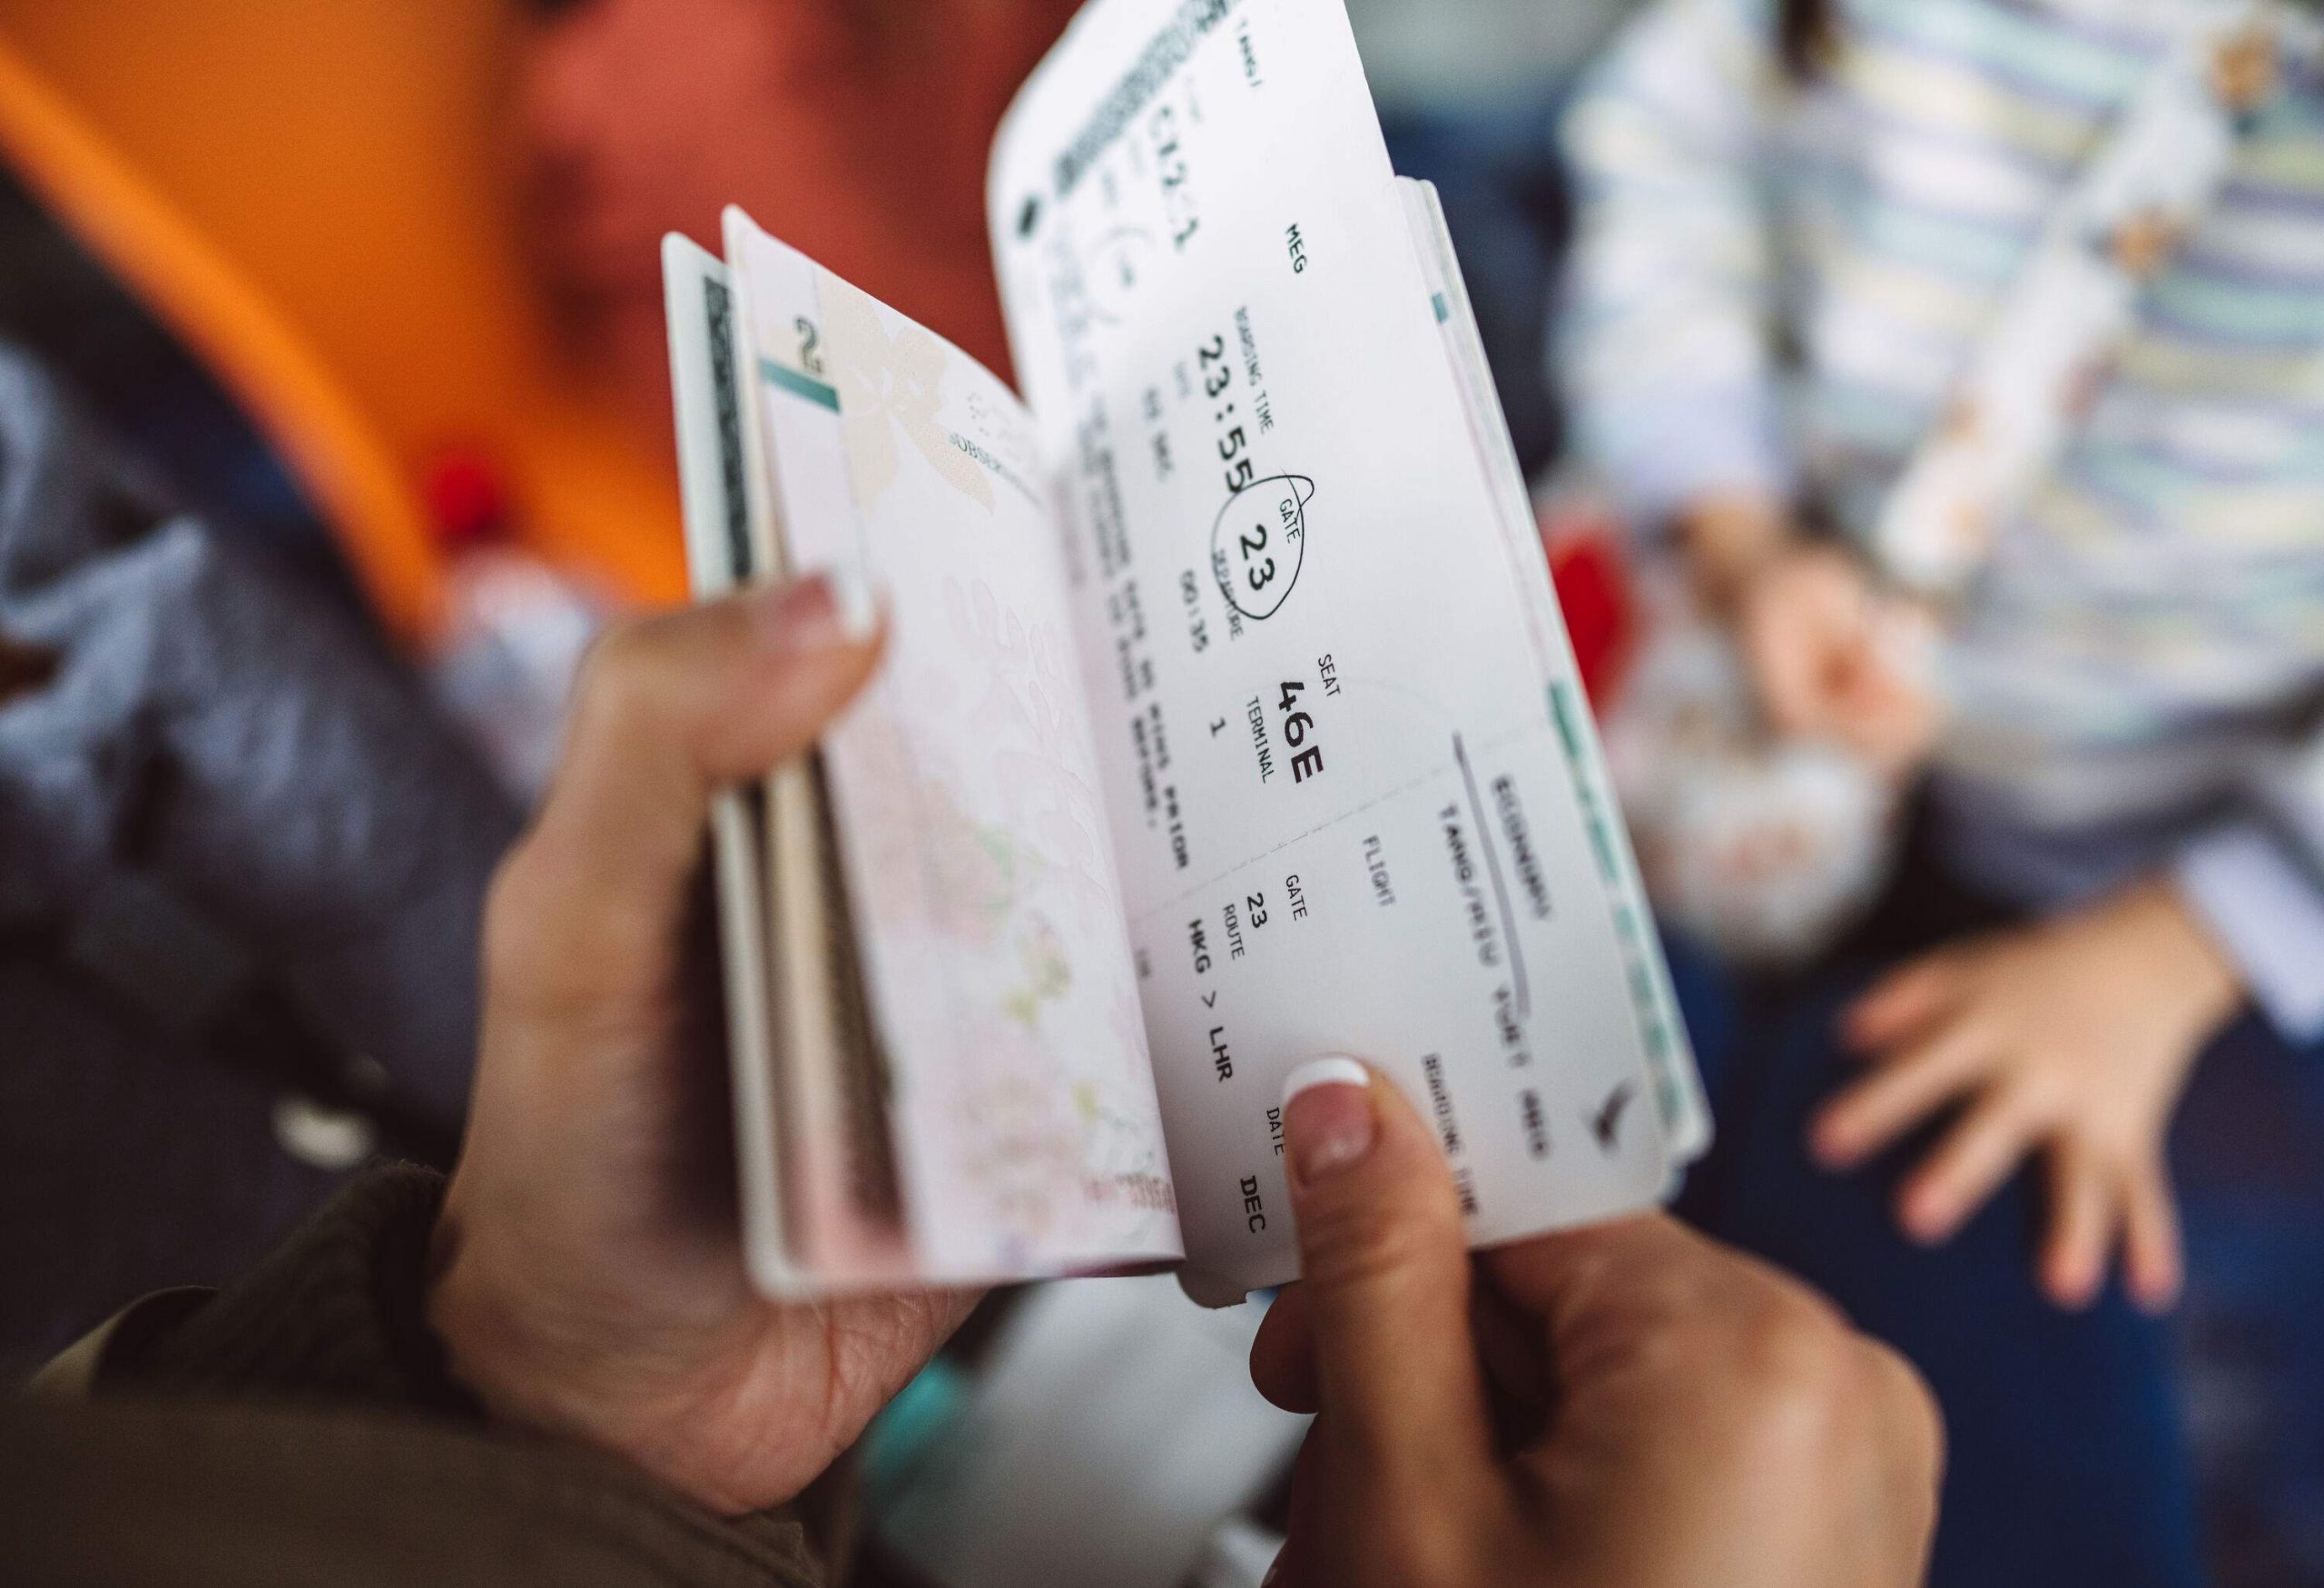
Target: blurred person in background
(1800, 222)
(858, 129)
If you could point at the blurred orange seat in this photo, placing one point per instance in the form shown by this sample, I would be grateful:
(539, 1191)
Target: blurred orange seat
(314, 195)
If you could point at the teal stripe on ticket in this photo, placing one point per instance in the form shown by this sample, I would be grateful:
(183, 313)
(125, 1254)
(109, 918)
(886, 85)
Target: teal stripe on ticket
(800, 385)
(1443, 310)
(1561, 709)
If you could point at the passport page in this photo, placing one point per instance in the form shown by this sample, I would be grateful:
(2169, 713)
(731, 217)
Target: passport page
(719, 559)
(1349, 770)
(964, 793)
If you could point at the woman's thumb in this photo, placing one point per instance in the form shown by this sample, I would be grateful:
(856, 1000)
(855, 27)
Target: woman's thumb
(1384, 1266)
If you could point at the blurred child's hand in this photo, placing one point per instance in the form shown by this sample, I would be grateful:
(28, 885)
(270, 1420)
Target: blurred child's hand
(1726, 537)
(1825, 652)
(2072, 1039)
(1829, 655)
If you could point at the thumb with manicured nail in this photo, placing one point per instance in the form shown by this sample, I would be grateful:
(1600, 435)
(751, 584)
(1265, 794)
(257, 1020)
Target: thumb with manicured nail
(1385, 1281)
(1714, 1420)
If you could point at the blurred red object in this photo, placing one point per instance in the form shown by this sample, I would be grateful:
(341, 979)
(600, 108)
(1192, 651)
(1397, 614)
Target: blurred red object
(1584, 542)
(467, 498)
(319, 202)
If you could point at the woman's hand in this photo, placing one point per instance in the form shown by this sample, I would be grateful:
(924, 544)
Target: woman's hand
(591, 1278)
(2072, 1039)
(1697, 1420)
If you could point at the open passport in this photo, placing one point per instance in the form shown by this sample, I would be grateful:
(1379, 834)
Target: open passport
(1228, 717)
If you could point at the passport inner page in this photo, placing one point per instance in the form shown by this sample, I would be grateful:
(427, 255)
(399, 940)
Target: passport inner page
(1341, 767)
(975, 865)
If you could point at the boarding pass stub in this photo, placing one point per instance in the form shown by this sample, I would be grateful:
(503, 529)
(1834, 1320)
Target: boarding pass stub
(1349, 785)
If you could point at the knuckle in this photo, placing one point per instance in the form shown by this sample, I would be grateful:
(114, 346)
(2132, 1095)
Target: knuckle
(1730, 1312)
(1905, 1411)
(1353, 1243)
(1664, 1348)
(524, 963)
(1792, 1351)
(617, 652)
(2035, 1089)
(2028, 1104)
(1786, 1385)
(620, 677)
(2111, 1162)
(526, 945)
(1793, 1365)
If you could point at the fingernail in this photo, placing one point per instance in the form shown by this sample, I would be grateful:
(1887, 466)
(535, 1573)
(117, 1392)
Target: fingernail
(854, 605)
(831, 606)
(1327, 1120)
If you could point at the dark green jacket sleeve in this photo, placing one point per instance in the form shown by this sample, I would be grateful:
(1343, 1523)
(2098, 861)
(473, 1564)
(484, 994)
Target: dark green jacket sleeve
(333, 1314)
(299, 1424)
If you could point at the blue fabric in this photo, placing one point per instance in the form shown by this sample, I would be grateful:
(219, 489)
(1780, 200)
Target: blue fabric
(237, 849)
(2083, 1447)
(2249, 1155)
(2067, 1461)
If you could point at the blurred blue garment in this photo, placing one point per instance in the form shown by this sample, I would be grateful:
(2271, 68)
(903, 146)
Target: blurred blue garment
(241, 872)
(2103, 1448)
(2067, 1462)
(2247, 1153)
